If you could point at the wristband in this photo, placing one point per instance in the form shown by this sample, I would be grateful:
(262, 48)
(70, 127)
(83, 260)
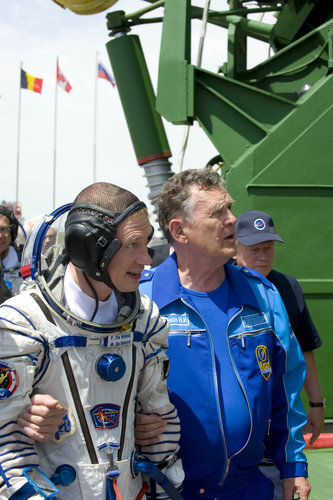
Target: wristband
(321, 404)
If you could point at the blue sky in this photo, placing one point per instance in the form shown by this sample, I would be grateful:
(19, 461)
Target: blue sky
(36, 33)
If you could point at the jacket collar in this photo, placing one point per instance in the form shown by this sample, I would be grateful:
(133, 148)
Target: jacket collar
(167, 287)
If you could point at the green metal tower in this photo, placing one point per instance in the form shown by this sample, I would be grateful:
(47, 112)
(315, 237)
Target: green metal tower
(271, 125)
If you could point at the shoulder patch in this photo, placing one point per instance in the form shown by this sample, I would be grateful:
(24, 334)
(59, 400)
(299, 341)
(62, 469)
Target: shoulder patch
(66, 428)
(146, 275)
(251, 273)
(8, 380)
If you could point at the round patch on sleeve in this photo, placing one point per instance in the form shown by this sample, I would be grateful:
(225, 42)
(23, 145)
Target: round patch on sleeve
(8, 381)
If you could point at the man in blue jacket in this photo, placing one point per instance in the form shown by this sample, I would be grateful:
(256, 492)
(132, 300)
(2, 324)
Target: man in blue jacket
(236, 368)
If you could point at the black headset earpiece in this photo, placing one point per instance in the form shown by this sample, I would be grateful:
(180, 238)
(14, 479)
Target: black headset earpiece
(90, 240)
(14, 223)
(87, 237)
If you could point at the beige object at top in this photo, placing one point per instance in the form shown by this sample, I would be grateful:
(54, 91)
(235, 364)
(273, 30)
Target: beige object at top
(86, 6)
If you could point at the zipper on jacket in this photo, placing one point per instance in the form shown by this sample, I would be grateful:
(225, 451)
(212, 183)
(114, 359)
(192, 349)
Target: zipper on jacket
(188, 334)
(216, 387)
(189, 339)
(269, 427)
(239, 379)
(126, 404)
(227, 466)
(242, 336)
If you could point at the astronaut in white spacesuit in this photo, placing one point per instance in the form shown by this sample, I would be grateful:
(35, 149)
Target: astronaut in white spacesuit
(81, 332)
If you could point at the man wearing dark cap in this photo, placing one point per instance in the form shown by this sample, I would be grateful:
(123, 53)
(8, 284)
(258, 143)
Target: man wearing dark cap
(256, 236)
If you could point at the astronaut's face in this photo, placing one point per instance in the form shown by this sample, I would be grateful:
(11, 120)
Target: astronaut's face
(126, 266)
(5, 235)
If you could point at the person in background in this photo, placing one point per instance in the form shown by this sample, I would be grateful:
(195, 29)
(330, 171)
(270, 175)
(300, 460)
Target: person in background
(81, 332)
(256, 237)
(30, 223)
(10, 254)
(49, 240)
(5, 292)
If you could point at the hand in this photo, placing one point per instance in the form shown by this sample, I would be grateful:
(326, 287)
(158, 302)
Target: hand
(42, 418)
(296, 485)
(148, 428)
(315, 418)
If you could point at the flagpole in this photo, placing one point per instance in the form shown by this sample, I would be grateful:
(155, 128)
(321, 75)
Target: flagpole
(95, 119)
(55, 135)
(18, 139)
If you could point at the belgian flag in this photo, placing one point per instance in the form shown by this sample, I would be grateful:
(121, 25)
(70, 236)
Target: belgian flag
(31, 82)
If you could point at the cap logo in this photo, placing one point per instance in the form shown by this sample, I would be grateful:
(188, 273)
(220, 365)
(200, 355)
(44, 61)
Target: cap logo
(259, 224)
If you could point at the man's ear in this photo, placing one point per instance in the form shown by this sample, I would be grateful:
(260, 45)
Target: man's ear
(176, 228)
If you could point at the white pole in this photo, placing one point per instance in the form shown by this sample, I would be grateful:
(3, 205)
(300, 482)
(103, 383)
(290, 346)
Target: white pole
(18, 139)
(199, 60)
(55, 136)
(95, 119)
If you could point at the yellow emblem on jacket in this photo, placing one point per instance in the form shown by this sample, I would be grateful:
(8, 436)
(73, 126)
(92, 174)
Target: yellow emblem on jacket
(262, 355)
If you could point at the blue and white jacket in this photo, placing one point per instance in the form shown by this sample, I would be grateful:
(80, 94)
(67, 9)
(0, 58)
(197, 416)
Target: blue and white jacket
(269, 367)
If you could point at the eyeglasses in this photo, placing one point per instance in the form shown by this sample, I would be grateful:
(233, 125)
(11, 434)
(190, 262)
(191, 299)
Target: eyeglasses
(5, 230)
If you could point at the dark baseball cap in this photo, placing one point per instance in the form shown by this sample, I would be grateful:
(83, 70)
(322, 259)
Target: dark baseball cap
(254, 227)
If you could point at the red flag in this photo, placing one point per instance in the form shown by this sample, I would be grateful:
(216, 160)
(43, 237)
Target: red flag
(61, 80)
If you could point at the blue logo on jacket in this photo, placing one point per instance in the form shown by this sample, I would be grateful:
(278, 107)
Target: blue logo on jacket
(105, 416)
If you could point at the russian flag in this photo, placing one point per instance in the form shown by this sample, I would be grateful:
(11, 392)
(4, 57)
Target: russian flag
(102, 73)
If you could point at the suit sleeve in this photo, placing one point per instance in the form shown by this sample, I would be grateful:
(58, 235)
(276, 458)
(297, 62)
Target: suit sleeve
(152, 388)
(284, 440)
(20, 356)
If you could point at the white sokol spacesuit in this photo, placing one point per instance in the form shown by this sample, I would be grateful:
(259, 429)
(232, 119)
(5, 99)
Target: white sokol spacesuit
(98, 373)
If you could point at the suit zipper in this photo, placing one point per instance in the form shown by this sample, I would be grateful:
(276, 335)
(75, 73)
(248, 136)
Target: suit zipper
(216, 388)
(126, 404)
(238, 378)
(242, 336)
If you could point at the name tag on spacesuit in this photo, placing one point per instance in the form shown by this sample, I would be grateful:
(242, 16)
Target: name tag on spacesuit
(254, 320)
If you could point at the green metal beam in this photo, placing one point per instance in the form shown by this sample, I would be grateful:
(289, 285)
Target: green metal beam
(174, 100)
(144, 123)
